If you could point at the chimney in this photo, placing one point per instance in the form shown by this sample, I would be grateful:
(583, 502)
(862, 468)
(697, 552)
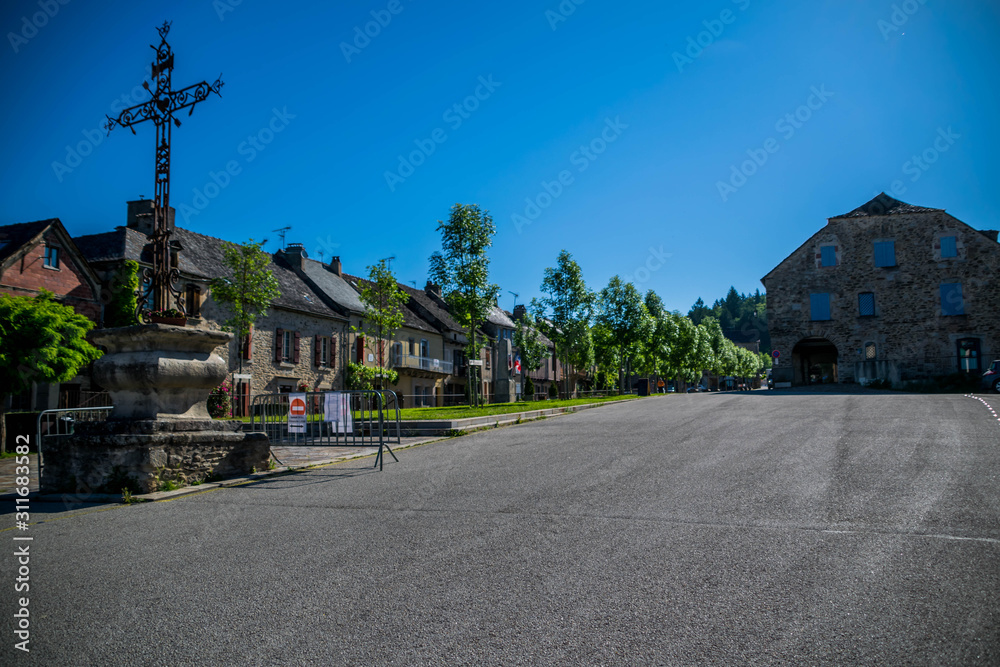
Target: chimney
(336, 266)
(140, 216)
(991, 234)
(432, 288)
(294, 254)
(519, 312)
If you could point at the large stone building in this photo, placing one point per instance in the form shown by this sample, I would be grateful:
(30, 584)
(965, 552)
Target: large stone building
(888, 291)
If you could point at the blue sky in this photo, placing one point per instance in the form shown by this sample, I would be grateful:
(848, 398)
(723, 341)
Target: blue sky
(688, 146)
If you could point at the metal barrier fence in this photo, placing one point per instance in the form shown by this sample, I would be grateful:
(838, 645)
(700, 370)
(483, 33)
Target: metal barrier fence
(357, 418)
(63, 421)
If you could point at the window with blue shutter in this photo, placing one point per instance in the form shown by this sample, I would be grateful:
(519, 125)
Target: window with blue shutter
(948, 247)
(828, 255)
(819, 306)
(951, 299)
(866, 304)
(885, 253)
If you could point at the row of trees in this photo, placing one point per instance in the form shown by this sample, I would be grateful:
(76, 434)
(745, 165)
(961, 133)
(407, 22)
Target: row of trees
(621, 332)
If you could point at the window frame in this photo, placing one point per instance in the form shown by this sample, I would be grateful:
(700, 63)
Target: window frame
(823, 255)
(960, 309)
(891, 243)
(953, 247)
(50, 257)
(861, 312)
(812, 307)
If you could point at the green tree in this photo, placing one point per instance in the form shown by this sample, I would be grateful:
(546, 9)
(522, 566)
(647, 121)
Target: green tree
(655, 349)
(248, 291)
(121, 311)
(532, 350)
(462, 269)
(41, 340)
(383, 299)
(623, 313)
(566, 311)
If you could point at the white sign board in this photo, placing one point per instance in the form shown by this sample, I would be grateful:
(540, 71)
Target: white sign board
(475, 362)
(337, 411)
(296, 413)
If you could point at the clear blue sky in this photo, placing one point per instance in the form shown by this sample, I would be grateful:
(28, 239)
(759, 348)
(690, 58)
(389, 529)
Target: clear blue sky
(893, 78)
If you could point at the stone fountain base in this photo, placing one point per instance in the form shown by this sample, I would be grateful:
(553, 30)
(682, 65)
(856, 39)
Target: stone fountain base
(159, 377)
(107, 457)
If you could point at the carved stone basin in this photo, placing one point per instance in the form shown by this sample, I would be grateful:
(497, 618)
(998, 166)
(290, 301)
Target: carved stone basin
(159, 371)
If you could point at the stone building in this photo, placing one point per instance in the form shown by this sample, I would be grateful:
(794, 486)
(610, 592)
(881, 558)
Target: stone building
(299, 342)
(41, 255)
(888, 291)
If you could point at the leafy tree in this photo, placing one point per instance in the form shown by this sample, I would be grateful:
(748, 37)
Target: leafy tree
(699, 311)
(250, 290)
(654, 351)
(462, 269)
(566, 311)
(41, 340)
(121, 311)
(383, 299)
(532, 350)
(623, 313)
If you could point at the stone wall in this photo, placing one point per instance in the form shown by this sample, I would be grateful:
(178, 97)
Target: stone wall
(912, 338)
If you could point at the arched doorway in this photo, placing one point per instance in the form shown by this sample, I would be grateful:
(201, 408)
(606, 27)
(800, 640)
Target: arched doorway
(814, 360)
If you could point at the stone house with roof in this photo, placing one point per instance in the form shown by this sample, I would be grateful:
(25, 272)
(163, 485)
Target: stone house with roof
(888, 291)
(42, 255)
(297, 343)
(551, 370)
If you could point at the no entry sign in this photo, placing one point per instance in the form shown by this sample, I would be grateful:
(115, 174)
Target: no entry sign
(296, 413)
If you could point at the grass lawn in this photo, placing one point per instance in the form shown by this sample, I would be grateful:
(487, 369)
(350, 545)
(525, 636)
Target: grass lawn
(464, 411)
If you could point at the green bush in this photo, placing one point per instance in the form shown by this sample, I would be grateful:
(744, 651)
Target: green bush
(553, 391)
(120, 312)
(360, 376)
(529, 390)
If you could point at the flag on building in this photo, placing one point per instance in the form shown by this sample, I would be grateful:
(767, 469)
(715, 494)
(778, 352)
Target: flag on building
(517, 364)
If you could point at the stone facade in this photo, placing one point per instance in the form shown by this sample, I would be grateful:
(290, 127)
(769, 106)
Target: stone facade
(888, 291)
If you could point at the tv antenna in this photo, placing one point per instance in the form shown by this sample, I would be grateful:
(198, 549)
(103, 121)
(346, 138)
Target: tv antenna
(388, 261)
(515, 297)
(281, 232)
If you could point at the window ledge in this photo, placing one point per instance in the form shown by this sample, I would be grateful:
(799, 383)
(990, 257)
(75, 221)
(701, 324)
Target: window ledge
(286, 364)
(51, 268)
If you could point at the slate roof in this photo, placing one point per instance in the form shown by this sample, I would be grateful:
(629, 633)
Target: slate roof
(883, 204)
(333, 285)
(499, 317)
(201, 257)
(434, 307)
(17, 235)
(410, 319)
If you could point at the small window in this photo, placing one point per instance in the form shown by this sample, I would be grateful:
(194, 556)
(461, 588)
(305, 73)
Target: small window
(885, 253)
(286, 345)
(968, 355)
(819, 306)
(951, 299)
(192, 300)
(866, 304)
(949, 247)
(869, 351)
(828, 255)
(51, 257)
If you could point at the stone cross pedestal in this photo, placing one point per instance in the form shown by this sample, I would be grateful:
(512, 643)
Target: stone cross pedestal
(159, 377)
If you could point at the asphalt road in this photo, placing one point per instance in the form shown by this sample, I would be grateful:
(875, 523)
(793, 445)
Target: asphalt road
(758, 528)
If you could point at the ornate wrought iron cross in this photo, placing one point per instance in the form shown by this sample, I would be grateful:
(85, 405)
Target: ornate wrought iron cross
(160, 282)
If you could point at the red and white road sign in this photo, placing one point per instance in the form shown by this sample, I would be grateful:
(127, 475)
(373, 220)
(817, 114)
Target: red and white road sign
(298, 407)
